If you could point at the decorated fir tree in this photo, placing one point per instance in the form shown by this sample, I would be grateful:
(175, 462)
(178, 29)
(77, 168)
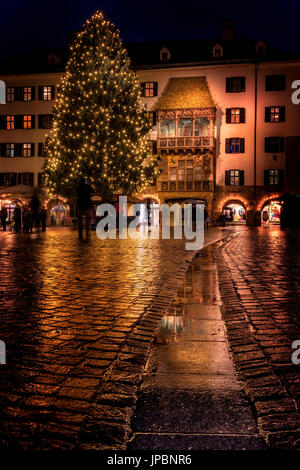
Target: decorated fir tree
(99, 130)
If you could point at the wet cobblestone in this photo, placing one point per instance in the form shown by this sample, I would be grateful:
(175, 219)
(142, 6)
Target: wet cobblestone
(78, 320)
(259, 275)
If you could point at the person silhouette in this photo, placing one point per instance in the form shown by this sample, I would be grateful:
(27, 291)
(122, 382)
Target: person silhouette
(84, 206)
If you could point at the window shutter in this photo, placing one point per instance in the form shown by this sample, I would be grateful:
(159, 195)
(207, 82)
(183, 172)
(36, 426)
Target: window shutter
(3, 150)
(227, 145)
(243, 84)
(19, 178)
(19, 119)
(32, 150)
(19, 150)
(267, 114)
(2, 121)
(40, 93)
(19, 93)
(242, 145)
(52, 92)
(32, 93)
(154, 118)
(282, 114)
(267, 145)
(155, 88)
(143, 89)
(281, 144)
(14, 179)
(32, 121)
(40, 118)
(40, 149)
(154, 147)
(228, 115)
(281, 177)
(242, 177)
(227, 177)
(266, 177)
(242, 115)
(228, 83)
(1, 179)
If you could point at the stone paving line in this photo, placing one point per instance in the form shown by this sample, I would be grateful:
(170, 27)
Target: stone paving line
(78, 321)
(190, 397)
(259, 284)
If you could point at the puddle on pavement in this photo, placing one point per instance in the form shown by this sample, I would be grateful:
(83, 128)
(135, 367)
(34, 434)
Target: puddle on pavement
(190, 397)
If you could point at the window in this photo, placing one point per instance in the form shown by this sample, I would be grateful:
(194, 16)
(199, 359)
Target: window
(184, 171)
(149, 89)
(27, 93)
(9, 179)
(274, 177)
(152, 118)
(45, 121)
(235, 145)
(42, 150)
(274, 144)
(10, 94)
(41, 179)
(10, 122)
(234, 177)
(235, 84)
(275, 82)
(172, 174)
(10, 150)
(217, 51)
(165, 54)
(27, 122)
(275, 114)
(27, 179)
(46, 92)
(235, 115)
(28, 150)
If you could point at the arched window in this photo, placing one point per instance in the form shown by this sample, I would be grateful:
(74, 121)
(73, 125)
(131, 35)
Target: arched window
(167, 128)
(185, 128)
(201, 127)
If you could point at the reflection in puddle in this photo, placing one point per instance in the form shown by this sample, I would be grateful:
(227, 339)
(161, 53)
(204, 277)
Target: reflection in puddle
(198, 287)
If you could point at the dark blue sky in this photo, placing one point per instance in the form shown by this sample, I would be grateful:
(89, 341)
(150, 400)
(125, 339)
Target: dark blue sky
(36, 23)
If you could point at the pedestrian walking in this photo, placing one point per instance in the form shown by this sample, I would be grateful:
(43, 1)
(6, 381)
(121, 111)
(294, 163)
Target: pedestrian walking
(84, 206)
(43, 218)
(35, 206)
(3, 217)
(17, 218)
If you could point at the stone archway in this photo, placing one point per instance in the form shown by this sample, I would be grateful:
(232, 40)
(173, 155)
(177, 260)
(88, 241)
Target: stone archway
(270, 211)
(235, 211)
(58, 211)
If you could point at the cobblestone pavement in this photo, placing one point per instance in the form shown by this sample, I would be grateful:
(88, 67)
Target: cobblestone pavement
(259, 275)
(78, 319)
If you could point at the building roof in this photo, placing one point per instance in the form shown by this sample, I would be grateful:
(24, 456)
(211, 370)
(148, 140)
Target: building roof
(190, 92)
(200, 51)
(145, 55)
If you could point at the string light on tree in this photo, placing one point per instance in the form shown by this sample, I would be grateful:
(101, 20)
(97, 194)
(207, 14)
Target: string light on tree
(99, 129)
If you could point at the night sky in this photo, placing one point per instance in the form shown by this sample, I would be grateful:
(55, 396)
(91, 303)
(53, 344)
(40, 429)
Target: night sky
(33, 24)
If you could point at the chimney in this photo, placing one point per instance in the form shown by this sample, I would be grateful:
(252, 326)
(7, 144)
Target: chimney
(227, 30)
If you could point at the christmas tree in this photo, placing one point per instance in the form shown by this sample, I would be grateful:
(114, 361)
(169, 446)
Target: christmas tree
(99, 130)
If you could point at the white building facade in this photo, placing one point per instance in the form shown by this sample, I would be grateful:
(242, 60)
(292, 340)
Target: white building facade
(225, 129)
